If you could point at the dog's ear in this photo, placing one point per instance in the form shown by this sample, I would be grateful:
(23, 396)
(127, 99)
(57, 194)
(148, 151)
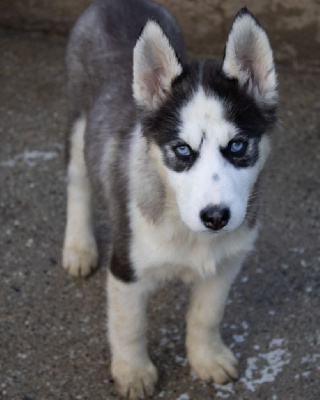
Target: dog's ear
(249, 59)
(155, 65)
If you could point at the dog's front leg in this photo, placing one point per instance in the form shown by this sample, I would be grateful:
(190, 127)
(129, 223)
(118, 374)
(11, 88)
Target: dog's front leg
(208, 356)
(133, 372)
(80, 252)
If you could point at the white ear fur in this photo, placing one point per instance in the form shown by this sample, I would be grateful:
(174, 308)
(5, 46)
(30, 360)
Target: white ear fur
(155, 65)
(249, 59)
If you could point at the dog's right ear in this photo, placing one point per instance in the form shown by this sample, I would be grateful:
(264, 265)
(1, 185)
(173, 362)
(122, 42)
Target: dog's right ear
(155, 65)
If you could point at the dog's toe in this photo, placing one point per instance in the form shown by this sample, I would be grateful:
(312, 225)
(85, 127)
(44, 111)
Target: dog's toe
(215, 363)
(221, 370)
(135, 382)
(80, 260)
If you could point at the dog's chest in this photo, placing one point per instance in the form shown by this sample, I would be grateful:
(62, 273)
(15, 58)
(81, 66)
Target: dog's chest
(169, 248)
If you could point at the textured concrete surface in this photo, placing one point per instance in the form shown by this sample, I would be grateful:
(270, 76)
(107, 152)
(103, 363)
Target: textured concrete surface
(293, 25)
(52, 327)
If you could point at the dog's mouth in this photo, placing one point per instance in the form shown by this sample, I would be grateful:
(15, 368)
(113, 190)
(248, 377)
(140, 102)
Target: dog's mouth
(215, 233)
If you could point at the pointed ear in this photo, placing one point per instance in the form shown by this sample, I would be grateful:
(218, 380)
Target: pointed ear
(249, 59)
(155, 65)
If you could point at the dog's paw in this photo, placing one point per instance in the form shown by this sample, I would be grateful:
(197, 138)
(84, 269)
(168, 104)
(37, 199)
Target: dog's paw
(134, 381)
(214, 362)
(80, 260)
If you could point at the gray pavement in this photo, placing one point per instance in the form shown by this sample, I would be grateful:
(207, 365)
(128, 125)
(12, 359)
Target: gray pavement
(53, 328)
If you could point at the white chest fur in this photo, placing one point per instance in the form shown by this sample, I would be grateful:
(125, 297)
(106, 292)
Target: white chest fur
(168, 248)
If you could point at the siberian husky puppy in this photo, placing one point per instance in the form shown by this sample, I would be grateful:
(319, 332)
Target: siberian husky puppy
(175, 151)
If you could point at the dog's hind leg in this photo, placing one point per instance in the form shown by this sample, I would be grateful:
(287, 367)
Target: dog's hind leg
(208, 355)
(80, 254)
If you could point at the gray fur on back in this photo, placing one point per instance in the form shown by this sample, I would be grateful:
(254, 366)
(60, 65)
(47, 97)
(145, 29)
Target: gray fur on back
(100, 73)
(100, 50)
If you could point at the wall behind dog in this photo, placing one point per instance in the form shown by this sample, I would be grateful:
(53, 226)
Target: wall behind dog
(293, 25)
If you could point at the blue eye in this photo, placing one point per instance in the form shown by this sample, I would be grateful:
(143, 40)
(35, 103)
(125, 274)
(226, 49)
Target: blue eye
(183, 150)
(237, 147)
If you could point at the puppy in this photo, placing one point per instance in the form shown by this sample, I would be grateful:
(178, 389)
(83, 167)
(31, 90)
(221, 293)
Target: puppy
(175, 151)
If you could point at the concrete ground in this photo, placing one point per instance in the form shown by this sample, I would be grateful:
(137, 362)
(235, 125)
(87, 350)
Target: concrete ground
(53, 328)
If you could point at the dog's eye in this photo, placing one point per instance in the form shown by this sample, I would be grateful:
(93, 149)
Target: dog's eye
(237, 148)
(183, 150)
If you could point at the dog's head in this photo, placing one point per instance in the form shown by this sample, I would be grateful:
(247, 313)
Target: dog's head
(207, 124)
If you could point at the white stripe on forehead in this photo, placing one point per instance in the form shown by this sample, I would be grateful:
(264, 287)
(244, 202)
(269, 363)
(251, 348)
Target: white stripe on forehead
(203, 118)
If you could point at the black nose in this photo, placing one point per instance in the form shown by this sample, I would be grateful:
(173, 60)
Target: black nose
(215, 217)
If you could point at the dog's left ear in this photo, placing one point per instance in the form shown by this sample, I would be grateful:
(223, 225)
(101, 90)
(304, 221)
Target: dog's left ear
(249, 59)
(155, 65)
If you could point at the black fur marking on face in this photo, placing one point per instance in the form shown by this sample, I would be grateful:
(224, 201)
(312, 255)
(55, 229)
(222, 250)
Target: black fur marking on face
(247, 157)
(174, 160)
(251, 120)
(163, 125)
(240, 108)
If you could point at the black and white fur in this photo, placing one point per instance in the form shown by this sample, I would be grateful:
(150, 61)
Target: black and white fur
(175, 151)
